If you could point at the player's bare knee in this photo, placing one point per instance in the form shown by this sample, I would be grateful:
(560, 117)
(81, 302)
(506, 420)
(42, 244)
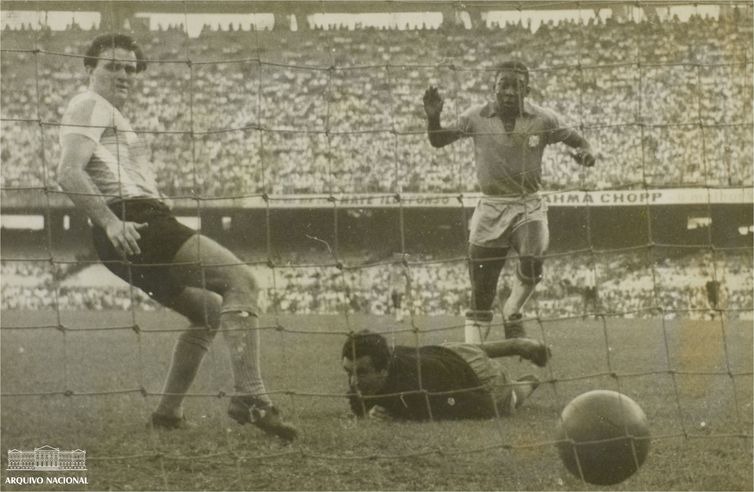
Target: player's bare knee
(198, 335)
(530, 269)
(242, 293)
(208, 316)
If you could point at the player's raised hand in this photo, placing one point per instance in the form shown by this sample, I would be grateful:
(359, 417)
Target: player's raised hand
(124, 236)
(583, 157)
(432, 102)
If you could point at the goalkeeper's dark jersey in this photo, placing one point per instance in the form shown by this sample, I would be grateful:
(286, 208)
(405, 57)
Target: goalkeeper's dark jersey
(429, 382)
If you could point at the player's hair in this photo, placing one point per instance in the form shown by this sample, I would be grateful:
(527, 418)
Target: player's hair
(365, 342)
(512, 65)
(113, 40)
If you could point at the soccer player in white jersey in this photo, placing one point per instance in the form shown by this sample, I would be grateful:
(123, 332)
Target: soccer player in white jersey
(509, 135)
(105, 171)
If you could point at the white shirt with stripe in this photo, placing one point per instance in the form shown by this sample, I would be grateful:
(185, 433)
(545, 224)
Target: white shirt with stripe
(119, 166)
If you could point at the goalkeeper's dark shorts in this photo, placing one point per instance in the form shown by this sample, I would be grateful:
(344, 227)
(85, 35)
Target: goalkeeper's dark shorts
(160, 241)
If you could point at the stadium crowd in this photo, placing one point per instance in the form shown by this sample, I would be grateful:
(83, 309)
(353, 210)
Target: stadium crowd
(339, 111)
(630, 285)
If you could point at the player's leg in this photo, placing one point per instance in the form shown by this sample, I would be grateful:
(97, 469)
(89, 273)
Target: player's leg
(202, 308)
(150, 272)
(508, 395)
(485, 265)
(490, 374)
(593, 300)
(530, 349)
(530, 240)
(597, 302)
(397, 299)
(203, 263)
(523, 387)
(585, 303)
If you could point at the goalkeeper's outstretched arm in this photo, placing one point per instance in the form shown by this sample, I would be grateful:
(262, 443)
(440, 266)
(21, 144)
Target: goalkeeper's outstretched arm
(438, 136)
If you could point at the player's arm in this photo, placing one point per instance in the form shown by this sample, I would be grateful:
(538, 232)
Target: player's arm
(357, 404)
(368, 408)
(438, 136)
(76, 152)
(582, 150)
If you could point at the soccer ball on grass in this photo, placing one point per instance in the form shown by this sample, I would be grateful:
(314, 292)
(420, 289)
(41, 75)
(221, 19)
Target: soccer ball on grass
(603, 437)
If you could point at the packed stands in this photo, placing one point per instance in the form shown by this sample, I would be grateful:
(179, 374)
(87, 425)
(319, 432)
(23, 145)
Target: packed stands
(628, 285)
(339, 111)
(234, 113)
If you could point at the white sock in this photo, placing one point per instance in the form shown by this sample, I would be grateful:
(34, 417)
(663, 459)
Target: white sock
(239, 329)
(188, 353)
(477, 326)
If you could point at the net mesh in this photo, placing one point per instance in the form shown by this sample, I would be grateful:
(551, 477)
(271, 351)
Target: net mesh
(306, 152)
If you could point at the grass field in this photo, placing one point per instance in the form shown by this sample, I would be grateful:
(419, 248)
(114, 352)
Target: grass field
(692, 378)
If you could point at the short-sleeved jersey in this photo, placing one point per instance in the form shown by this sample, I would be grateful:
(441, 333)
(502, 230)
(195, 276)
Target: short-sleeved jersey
(119, 166)
(451, 388)
(510, 163)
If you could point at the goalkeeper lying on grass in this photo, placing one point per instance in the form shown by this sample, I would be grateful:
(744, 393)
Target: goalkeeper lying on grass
(433, 382)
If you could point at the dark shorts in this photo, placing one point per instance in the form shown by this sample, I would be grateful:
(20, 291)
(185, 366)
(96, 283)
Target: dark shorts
(160, 241)
(590, 293)
(396, 297)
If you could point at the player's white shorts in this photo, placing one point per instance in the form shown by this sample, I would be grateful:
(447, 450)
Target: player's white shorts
(490, 373)
(496, 218)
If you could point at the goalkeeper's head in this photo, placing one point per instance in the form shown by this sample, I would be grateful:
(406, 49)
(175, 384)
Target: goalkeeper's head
(365, 359)
(511, 86)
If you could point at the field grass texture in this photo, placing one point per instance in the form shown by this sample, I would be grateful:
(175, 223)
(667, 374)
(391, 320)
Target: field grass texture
(94, 386)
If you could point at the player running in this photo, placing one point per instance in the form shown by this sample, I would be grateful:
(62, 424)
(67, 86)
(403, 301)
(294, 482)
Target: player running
(105, 171)
(447, 381)
(510, 135)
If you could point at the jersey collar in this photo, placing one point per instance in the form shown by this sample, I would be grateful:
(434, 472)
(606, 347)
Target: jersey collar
(490, 109)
